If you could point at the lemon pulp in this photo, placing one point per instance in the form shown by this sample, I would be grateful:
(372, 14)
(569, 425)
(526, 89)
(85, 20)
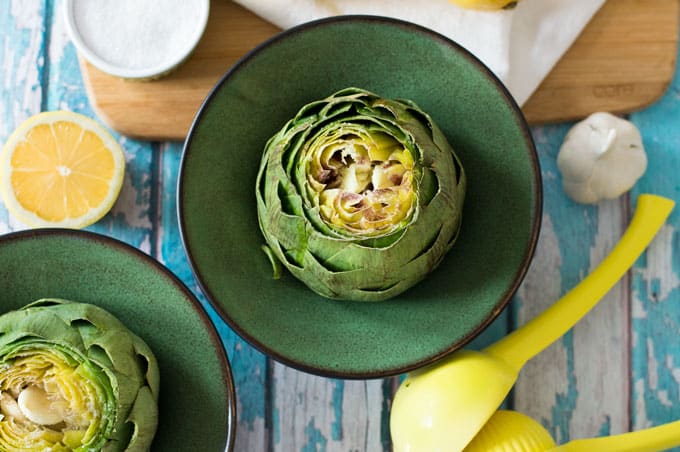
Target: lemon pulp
(60, 169)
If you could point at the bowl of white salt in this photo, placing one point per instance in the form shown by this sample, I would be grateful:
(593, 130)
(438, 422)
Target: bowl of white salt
(136, 39)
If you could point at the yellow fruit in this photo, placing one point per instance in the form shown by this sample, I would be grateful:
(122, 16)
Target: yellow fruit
(488, 5)
(60, 169)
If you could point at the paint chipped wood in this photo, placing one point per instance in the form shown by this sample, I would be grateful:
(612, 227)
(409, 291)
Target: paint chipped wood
(619, 369)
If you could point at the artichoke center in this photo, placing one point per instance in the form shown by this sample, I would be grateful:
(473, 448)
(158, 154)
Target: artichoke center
(47, 400)
(363, 182)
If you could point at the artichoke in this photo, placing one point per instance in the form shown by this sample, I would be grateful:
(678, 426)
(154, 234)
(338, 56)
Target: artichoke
(73, 377)
(358, 196)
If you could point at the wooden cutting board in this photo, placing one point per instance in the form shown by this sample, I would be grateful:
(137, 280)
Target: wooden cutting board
(623, 61)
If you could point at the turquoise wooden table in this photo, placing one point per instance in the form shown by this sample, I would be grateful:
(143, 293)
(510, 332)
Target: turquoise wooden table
(617, 370)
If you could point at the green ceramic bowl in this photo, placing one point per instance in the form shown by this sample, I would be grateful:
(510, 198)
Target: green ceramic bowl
(217, 210)
(197, 404)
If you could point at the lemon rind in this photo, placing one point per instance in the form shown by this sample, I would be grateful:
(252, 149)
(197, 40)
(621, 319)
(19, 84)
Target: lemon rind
(94, 214)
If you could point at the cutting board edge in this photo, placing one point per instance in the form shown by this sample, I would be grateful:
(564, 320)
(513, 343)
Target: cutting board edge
(178, 132)
(623, 110)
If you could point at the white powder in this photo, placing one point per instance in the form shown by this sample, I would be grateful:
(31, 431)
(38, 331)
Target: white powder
(138, 34)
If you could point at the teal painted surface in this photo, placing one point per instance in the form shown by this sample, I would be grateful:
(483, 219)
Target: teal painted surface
(87, 268)
(317, 442)
(130, 219)
(655, 353)
(336, 427)
(249, 367)
(575, 227)
(39, 71)
(353, 340)
(23, 59)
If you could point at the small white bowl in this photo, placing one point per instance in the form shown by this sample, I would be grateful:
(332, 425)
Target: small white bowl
(136, 39)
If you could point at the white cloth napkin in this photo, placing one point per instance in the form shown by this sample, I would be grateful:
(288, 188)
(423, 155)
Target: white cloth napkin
(520, 46)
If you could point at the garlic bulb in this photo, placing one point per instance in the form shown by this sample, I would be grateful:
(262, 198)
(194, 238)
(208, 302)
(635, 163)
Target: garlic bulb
(601, 158)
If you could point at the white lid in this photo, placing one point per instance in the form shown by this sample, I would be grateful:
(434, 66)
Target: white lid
(136, 38)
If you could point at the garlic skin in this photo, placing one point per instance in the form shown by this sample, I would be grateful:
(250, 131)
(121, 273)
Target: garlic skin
(601, 158)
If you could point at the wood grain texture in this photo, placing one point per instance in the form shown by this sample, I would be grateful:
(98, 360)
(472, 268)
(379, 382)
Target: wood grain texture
(655, 353)
(577, 386)
(23, 66)
(165, 108)
(623, 61)
(314, 413)
(619, 369)
(249, 367)
(601, 341)
(130, 219)
(40, 73)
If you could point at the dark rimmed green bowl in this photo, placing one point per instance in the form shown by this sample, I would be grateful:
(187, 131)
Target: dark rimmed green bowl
(197, 403)
(217, 210)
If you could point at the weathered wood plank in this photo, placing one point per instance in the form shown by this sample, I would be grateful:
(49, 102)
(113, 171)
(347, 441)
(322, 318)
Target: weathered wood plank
(656, 278)
(313, 413)
(601, 342)
(22, 65)
(321, 414)
(577, 387)
(249, 367)
(130, 218)
(41, 73)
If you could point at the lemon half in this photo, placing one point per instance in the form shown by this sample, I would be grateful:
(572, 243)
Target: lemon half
(60, 169)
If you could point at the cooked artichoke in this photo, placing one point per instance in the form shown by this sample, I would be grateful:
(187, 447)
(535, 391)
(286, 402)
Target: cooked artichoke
(360, 197)
(73, 377)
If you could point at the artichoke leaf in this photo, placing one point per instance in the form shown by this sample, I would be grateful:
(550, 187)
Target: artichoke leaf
(74, 372)
(360, 196)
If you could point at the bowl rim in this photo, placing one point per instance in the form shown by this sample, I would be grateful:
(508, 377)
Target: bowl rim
(146, 72)
(135, 253)
(532, 153)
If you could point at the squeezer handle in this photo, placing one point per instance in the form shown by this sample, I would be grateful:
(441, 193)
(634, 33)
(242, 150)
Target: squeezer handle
(524, 343)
